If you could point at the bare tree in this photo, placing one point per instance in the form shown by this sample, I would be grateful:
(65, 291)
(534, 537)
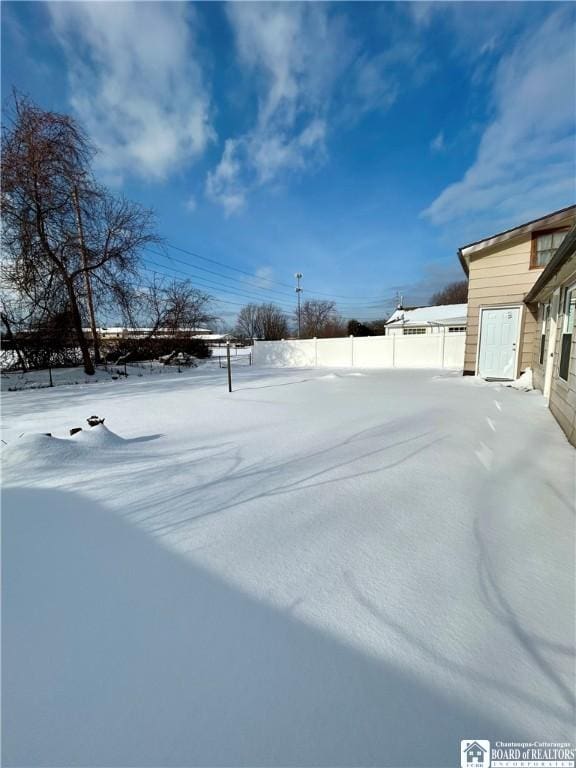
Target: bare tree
(320, 318)
(453, 293)
(262, 321)
(248, 322)
(272, 322)
(175, 306)
(62, 232)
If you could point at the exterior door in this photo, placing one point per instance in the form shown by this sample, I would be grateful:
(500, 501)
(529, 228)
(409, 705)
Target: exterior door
(498, 342)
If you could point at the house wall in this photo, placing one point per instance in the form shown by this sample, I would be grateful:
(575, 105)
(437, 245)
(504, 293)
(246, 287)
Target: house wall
(563, 393)
(501, 276)
(562, 401)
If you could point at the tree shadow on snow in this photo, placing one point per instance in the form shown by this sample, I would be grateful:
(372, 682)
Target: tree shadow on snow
(118, 652)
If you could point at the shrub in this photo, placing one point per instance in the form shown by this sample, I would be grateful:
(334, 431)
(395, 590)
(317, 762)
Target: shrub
(154, 348)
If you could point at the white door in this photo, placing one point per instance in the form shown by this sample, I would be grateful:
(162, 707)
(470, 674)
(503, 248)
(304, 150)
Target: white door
(498, 342)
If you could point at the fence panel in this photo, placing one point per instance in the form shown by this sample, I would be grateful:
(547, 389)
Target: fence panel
(285, 354)
(438, 350)
(418, 351)
(374, 352)
(334, 353)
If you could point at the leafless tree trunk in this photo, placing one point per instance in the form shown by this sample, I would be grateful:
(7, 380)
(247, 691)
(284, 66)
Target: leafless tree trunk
(88, 286)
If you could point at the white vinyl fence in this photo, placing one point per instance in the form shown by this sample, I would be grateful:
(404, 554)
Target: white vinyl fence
(438, 350)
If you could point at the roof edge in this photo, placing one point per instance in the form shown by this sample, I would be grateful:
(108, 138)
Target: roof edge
(518, 227)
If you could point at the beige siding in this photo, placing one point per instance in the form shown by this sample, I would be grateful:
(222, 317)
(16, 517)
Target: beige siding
(499, 277)
(563, 393)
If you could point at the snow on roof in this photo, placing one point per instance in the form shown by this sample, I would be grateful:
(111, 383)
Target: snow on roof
(443, 314)
(212, 336)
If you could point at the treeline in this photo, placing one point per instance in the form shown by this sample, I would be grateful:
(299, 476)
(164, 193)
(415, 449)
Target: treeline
(317, 318)
(72, 249)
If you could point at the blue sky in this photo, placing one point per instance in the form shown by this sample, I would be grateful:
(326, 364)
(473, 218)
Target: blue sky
(359, 143)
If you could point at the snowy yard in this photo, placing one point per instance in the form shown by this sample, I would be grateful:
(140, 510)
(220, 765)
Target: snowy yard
(322, 568)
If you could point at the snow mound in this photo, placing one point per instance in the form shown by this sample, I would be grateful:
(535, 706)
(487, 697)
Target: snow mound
(99, 436)
(523, 382)
(38, 450)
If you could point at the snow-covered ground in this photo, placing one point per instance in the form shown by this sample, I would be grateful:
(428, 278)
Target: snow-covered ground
(321, 568)
(13, 381)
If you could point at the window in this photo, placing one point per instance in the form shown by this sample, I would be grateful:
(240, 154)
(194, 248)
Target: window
(457, 329)
(412, 331)
(544, 246)
(567, 329)
(545, 310)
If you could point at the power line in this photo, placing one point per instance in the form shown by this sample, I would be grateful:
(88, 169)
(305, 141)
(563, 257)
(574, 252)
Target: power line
(367, 305)
(346, 307)
(270, 280)
(204, 282)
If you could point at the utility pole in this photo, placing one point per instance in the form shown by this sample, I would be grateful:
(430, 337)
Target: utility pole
(299, 290)
(90, 300)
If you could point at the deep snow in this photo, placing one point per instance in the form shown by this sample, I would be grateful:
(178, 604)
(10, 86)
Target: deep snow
(322, 568)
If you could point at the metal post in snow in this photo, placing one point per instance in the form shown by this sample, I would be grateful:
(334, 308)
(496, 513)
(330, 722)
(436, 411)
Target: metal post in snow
(229, 367)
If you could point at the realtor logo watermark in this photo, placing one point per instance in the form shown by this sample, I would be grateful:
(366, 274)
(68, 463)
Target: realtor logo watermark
(479, 753)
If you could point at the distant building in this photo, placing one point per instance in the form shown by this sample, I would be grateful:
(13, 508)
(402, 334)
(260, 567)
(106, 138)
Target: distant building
(119, 332)
(444, 318)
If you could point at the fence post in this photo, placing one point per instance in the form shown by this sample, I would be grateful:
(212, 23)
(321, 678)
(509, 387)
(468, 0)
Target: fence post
(351, 350)
(229, 367)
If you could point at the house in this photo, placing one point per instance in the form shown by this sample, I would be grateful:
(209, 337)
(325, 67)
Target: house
(474, 753)
(554, 353)
(502, 322)
(521, 308)
(445, 318)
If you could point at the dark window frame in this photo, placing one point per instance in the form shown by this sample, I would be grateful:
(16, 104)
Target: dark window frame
(533, 244)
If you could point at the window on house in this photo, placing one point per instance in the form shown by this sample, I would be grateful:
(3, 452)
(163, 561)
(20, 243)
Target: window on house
(412, 331)
(456, 329)
(545, 314)
(569, 309)
(544, 246)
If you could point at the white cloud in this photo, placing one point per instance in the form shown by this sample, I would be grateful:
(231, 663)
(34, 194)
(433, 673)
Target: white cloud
(191, 204)
(438, 143)
(304, 63)
(135, 84)
(525, 163)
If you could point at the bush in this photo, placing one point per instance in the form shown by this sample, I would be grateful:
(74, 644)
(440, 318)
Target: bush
(152, 349)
